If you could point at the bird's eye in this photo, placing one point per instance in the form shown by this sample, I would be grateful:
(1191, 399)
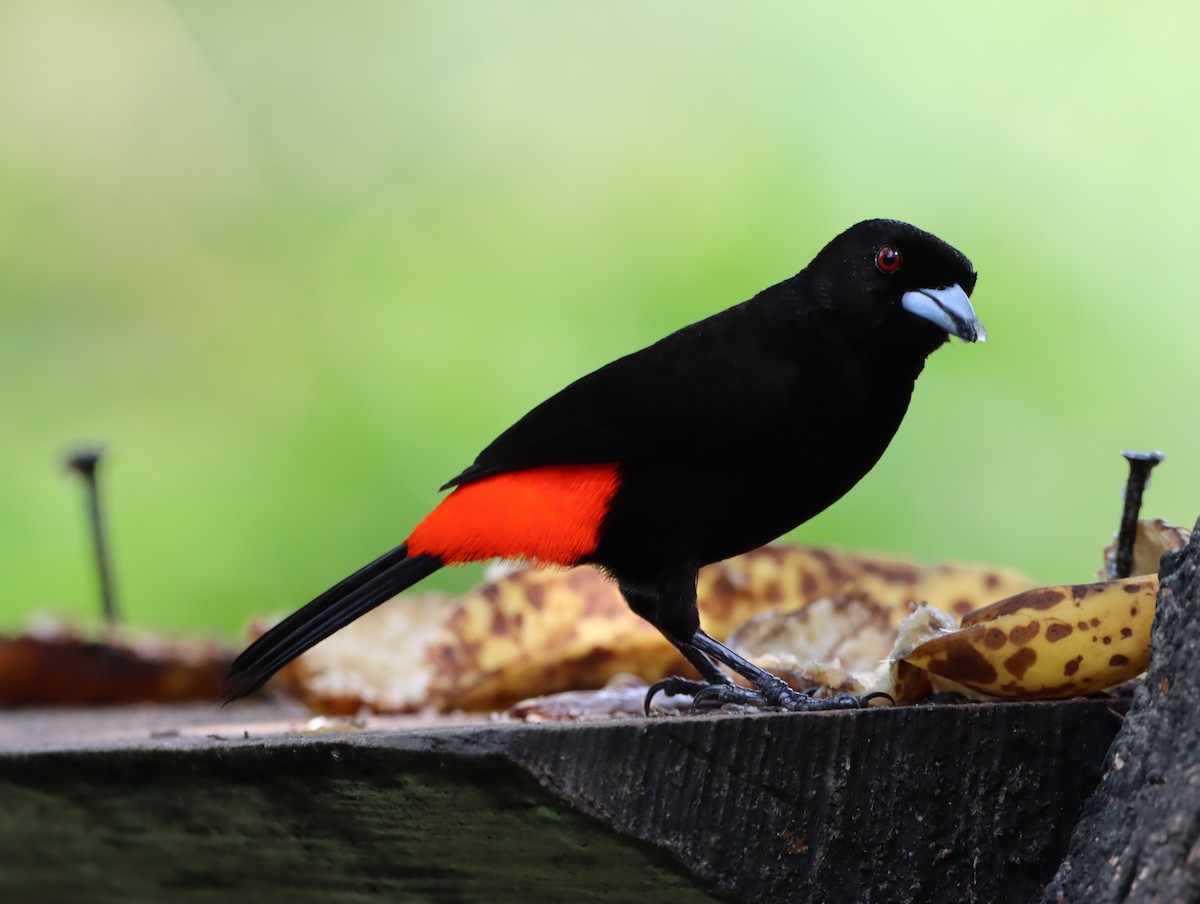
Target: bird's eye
(887, 259)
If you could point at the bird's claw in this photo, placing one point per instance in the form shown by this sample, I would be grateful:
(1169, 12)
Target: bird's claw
(780, 694)
(776, 694)
(675, 686)
(714, 695)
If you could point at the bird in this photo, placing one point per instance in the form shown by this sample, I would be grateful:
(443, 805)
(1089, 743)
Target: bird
(710, 442)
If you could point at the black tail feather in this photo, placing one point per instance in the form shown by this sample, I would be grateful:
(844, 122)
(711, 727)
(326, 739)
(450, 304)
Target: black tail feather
(334, 609)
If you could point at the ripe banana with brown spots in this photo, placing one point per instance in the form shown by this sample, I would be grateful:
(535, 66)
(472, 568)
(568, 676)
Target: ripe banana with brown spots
(1048, 642)
(537, 632)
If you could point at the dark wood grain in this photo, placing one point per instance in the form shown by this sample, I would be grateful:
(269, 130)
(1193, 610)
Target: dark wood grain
(952, 803)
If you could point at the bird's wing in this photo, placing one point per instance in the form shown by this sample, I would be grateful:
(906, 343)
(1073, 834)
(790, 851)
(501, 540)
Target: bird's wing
(718, 383)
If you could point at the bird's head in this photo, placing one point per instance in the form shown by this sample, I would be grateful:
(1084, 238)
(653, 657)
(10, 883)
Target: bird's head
(906, 280)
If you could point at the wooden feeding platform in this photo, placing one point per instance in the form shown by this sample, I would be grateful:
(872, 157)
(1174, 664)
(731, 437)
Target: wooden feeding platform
(943, 803)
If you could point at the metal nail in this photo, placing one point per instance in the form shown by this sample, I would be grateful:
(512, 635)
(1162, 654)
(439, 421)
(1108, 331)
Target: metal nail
(1140, 466)
(85, 462)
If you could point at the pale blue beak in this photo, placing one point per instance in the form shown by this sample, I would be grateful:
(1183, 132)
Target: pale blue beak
(949, 308)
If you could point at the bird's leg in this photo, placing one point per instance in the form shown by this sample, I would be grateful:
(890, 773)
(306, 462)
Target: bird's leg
(646, 605)
(674, 686)
(770, 690)
(672, 609)
(702, 664)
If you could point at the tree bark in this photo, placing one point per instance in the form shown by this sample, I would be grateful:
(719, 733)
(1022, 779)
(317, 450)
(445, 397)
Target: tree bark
(1138, 839)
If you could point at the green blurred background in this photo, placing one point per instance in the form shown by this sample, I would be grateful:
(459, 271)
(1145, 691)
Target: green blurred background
(294, 264)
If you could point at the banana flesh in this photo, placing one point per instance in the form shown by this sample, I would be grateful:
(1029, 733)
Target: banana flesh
(1048, 642)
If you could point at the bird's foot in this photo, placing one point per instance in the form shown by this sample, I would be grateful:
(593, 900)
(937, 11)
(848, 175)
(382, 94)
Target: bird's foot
(678, 687)
(784, 697)
(774, 694)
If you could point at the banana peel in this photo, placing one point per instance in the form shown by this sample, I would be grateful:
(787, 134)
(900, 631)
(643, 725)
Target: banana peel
(533, 633)
(1153, 538)
(779, 576)
(1048, 642)
(538, 632)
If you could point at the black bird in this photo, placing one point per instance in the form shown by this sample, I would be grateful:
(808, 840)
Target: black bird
(706, 444)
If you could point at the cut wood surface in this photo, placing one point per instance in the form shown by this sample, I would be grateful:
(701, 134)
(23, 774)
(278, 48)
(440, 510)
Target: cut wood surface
(956, 803)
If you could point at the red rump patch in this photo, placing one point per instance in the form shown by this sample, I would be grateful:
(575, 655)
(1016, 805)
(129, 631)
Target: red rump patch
(547, 515)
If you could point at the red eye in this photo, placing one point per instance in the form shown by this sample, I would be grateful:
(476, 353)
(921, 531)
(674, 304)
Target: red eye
(887, 259)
